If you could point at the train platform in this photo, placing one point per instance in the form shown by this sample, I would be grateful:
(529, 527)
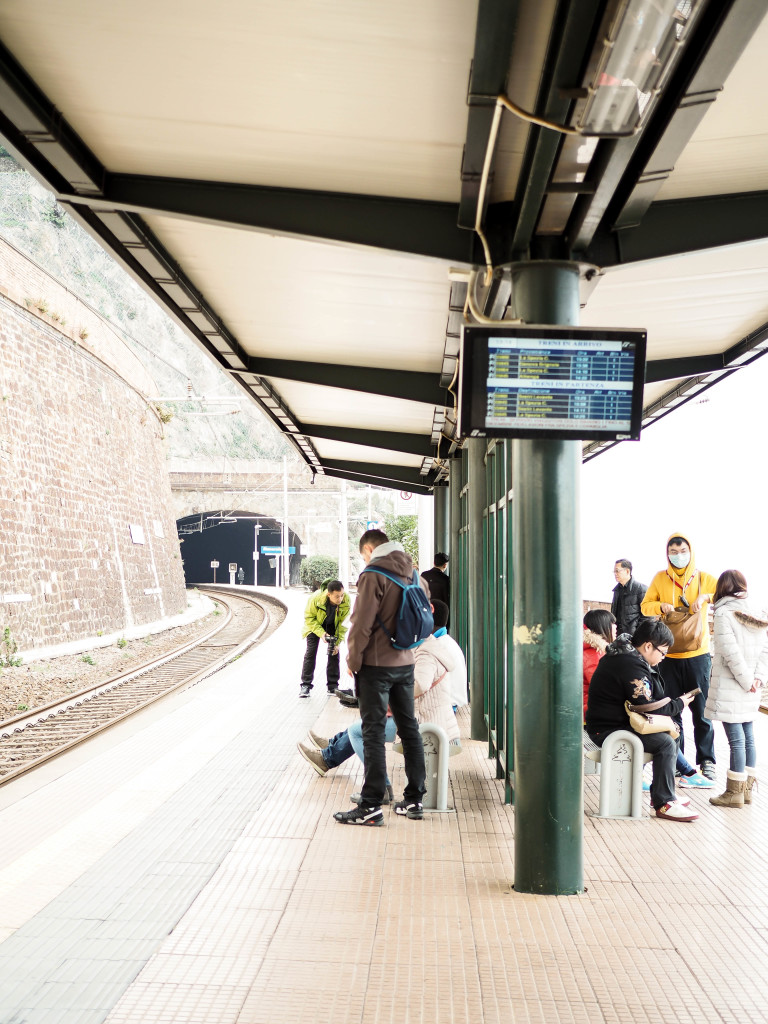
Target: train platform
(186, 869)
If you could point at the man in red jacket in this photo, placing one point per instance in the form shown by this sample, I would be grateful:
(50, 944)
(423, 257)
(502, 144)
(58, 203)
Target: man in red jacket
(383, 677)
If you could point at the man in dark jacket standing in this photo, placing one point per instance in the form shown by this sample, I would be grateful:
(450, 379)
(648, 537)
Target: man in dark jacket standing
(438, 579)
(628, 595)
(383, 676)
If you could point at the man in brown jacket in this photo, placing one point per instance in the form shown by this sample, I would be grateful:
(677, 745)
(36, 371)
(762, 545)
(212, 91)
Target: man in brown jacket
(383, 676)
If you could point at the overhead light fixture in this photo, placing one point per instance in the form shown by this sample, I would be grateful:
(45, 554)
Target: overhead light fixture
(638, 45)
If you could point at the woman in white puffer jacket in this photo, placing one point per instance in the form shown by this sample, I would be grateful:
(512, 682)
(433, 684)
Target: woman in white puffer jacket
(739, 670)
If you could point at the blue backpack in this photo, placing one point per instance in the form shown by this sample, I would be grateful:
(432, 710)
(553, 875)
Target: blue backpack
(414, 622)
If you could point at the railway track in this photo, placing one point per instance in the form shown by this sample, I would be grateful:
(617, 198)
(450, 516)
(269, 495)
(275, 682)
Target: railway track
(36, 737)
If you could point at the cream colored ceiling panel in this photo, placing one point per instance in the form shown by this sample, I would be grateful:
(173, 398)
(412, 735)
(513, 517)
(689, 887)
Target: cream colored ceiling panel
(312, 403)
(345, 95)
(729, 150)
(361, 453)
(697, 303)
(295, 299)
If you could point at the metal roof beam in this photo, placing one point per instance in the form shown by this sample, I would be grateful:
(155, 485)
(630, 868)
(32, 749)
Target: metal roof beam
(678, 226)
(377, 481)
(494, 38)
(687, 366)
(420, 227)
(629, 167)
(411, 385)
(400, 474)
(411, 444)
(573, 30)
(728, 35)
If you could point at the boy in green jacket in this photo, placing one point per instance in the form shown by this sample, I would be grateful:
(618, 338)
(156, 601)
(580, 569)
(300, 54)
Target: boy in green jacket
(323, 617)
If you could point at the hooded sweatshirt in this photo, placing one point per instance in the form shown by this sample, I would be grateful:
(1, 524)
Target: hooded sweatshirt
(379, 598)
(670, 584)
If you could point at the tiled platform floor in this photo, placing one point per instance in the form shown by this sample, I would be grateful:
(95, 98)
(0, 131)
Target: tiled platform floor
(191, 872)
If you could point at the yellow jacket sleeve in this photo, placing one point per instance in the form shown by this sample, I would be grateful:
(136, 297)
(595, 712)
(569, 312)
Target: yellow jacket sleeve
(659, 592)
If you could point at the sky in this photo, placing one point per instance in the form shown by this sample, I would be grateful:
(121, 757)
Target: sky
(703, 471)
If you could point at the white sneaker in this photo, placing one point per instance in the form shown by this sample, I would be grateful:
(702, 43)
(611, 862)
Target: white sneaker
(675, 811)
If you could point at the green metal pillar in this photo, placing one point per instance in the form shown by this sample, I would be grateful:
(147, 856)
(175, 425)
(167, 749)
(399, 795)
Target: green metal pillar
(454, 566)
(476, 503)
(547, 625)
(442, 521)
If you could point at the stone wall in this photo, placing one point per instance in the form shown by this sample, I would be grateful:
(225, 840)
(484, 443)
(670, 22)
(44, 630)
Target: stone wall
(88, 542)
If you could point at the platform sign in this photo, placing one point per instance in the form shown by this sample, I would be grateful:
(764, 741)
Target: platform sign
(277, 551)
(406, 504)
(214, 565)
(375, 524)
(233, 566)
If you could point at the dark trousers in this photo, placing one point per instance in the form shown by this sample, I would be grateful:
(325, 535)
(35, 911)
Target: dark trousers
(664, 751)
(681, 675)
(378, 687)
(310, 657)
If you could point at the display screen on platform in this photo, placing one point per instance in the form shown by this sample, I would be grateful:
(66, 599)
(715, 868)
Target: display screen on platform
(541, 381)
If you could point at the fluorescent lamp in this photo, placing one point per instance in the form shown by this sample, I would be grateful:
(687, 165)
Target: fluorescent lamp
(641, 44)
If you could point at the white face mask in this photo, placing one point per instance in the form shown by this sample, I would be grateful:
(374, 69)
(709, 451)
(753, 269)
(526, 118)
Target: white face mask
(680, 561)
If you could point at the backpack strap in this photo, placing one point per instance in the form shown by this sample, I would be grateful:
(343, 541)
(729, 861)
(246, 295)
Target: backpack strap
(391, 576)
(395, 579)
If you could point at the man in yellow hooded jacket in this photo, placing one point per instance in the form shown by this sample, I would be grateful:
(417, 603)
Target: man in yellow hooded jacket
(323, 617)
(682, 585)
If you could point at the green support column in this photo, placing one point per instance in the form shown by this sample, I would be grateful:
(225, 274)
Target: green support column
(475, 449)
(442, 521)
(547, 625)
(454, 566)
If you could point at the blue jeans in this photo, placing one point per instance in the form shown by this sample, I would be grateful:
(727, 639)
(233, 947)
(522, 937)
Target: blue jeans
(741, 738)
(377, 687)
(684, 766)
(344, 744)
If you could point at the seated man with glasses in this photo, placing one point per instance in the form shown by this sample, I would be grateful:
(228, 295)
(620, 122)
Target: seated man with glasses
(628, 671)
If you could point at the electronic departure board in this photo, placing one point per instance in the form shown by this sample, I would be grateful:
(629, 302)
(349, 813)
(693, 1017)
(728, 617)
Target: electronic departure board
(566, 382)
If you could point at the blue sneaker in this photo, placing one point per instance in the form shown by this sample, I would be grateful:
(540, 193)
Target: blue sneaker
(695, 781)
(646, 786)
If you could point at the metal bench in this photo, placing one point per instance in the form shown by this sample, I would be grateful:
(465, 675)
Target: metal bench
(621, 759)
(437, 750)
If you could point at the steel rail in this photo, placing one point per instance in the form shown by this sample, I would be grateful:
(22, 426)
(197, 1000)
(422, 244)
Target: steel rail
(132, 692)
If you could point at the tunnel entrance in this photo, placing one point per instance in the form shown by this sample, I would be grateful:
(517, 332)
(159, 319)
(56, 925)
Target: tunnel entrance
(232, 537)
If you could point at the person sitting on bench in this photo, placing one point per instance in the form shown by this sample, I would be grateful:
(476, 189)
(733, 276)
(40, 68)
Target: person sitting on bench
(628, 673)
(437, 662)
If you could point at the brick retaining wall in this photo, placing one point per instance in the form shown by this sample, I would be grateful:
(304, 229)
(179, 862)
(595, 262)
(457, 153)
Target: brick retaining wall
(88, 540)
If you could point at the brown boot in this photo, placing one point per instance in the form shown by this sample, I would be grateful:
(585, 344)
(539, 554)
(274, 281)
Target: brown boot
(751, 784)
(734, 791)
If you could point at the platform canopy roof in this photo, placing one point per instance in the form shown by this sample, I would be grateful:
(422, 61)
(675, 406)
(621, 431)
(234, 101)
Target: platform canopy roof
(301, 184)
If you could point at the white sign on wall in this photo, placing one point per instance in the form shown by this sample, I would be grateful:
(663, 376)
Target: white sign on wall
(406, 504)
(137, 533)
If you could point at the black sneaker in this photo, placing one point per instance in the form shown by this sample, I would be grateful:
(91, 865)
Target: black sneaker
(411, 810)
(305, 688)
(347, 702)
(332, 688)
(370, 816)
